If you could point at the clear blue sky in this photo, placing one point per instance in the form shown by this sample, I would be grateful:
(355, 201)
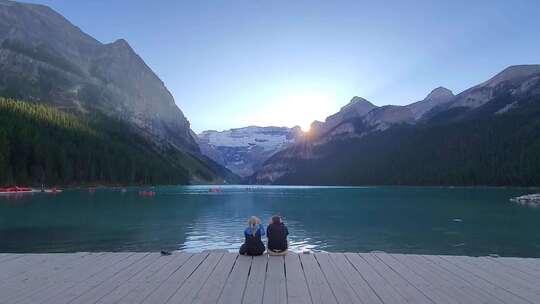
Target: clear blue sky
(235, 63)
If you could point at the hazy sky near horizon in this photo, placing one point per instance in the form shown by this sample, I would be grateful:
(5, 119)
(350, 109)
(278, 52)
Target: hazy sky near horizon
(237, 63)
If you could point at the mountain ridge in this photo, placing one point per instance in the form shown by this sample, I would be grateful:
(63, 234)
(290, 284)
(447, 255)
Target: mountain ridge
(39, 44)
(44, 58)
(371, 141)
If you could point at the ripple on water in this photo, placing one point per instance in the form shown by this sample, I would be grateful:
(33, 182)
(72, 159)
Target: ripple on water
(392, 219)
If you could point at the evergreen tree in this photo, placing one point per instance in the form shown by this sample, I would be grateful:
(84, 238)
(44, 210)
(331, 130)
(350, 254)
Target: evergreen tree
(40, 144)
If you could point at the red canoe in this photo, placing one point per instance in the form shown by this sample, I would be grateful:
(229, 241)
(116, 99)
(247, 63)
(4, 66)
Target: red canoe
(15, 189)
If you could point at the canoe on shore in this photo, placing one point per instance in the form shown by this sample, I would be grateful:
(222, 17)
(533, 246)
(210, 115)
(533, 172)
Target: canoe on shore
(22, 190)
(15, 189)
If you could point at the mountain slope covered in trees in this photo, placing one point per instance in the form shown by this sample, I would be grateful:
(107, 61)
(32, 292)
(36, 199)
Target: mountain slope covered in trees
(139, 134)
(41, 144)
(487, 135)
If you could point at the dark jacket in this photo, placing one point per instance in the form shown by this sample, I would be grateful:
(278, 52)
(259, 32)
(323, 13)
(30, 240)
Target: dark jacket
(277, 236)
(253, 244)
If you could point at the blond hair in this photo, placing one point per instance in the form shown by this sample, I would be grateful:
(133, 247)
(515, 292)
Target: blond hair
(252, 224)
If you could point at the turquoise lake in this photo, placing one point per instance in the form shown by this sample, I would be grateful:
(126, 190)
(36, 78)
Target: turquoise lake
(456, 221)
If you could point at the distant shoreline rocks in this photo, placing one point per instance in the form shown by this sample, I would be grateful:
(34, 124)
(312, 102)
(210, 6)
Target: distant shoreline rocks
(529, 200)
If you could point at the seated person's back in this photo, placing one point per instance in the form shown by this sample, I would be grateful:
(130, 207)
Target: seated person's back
(253, 244)
(277, 235)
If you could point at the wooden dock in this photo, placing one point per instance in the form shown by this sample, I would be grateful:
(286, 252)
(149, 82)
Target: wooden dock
(218, 277)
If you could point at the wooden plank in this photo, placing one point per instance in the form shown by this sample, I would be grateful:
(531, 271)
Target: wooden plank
(472, 284)
(478, 282)
(77, 272)
(403, 287)
(163, 274)
(297, 289)
(255, 283)
(318, 286)
(31, 277)
(60, 281)
(526, 265)
(518, 277)
(513, 269)
(449, 282)
(43, 290)
(55, 262)
(295, 279)
(493, 274)
(533, 260)
(435, 292)
(187, 292)
(341, 289)
(212, 288)
(108, 285)
(17, 266)
(233, 291)
(10, 256)
(175, 281)
(120, 262)
(355, 280)
(384, 291)
(497, 277)
(275, 287)
(137, 281)
(153, 281)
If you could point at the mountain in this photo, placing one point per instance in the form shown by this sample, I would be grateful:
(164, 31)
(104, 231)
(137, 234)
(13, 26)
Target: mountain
(40, 144)
(357, 107)
(46, 59)
(243, 150)
(376, 118)
(486, 135)
(437, 97)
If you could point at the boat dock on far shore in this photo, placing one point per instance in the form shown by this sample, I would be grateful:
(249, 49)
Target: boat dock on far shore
(222, 277)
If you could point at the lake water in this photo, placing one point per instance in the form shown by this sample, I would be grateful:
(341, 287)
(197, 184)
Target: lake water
(465, 221)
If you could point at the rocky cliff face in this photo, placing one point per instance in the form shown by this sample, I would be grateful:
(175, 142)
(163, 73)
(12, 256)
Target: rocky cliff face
(437, 97)
(376, 118)
(45, 58)
(357, 107)
(243, 150)
(519, 79)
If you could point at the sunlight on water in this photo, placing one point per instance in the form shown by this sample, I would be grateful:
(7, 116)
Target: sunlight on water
(196, 218)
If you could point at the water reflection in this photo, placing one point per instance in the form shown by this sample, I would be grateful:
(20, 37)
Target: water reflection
(410, 220)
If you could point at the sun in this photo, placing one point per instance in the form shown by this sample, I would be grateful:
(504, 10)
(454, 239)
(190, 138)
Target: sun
(305, 128)
(295, 108)
(303, 108)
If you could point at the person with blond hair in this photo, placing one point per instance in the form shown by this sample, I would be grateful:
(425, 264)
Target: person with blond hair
(253, 234)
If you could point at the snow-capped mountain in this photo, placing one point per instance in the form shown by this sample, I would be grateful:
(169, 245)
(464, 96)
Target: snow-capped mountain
(243, 150)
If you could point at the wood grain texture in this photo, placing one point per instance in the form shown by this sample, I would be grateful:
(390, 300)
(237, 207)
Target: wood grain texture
(220, 277)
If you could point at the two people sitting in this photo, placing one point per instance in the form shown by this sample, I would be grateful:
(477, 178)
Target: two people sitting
(276, 233)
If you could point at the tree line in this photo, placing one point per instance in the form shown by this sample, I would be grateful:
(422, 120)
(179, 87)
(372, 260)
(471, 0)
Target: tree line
(40, 144)
(492, 150)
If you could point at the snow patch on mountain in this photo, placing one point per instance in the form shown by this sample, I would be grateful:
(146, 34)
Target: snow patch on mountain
(242, 150)
(268, 138)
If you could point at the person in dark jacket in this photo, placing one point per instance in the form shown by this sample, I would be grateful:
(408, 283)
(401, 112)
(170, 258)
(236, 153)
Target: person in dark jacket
(253, 244)
(277, 236)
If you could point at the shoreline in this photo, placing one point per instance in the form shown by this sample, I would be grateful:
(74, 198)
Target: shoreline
(254, 186)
